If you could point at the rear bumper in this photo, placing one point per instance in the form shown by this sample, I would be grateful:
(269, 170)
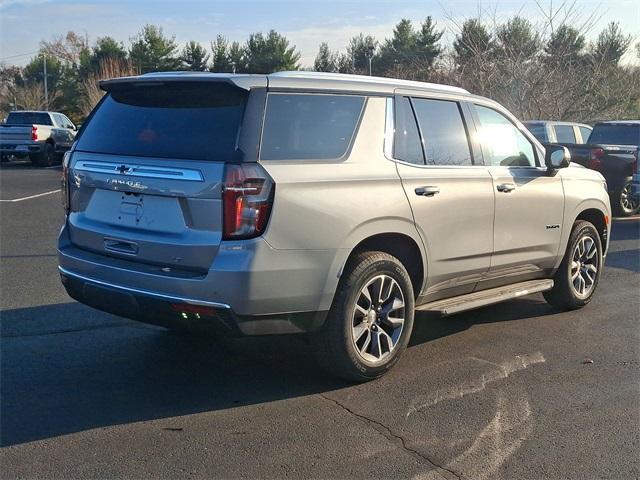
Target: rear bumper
(150, 307)
(21, 148)
(251, 288)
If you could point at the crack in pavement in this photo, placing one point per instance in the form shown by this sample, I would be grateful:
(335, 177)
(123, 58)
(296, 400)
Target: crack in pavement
(442, 471)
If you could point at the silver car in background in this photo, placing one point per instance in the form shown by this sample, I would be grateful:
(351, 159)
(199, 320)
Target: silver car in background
(326, 204)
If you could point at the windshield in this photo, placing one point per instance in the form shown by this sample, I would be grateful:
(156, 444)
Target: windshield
(28, 118)
(615, 134)
(187, 120)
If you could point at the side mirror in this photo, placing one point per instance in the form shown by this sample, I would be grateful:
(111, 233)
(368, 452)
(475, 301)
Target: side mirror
(556, 156)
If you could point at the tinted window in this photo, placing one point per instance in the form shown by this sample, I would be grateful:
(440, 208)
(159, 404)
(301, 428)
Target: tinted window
(539, 131)
(615, 134)
(585, 132)
(197, 121)
(407, 140)
(306, 126)
(28, 118)
(565, 134)
(502, 143)
(443, 133)
(58, 120)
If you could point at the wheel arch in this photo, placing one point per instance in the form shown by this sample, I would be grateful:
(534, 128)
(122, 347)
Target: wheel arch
(599, 220)
(405, 248)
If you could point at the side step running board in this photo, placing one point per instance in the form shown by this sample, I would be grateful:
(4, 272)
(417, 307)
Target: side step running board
(473, 300)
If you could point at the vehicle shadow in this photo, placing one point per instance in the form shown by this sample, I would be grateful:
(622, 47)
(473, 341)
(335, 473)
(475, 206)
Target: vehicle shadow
(66, 368)
(625, 259)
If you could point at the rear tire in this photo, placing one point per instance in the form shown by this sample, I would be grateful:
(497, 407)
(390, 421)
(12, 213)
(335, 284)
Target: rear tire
(364, 336)
(46, 157)
(623, 202)
(576, 281)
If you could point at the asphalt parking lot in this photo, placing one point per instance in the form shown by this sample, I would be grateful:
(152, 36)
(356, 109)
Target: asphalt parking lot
(503, 392)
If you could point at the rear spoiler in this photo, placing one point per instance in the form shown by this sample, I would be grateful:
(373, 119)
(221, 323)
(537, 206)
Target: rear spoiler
(245, 82)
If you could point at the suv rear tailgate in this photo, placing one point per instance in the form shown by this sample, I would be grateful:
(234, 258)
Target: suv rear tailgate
(146, 173)
(153, 210)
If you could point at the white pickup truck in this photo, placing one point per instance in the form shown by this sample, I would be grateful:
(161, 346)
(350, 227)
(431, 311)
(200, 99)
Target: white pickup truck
(42, 136)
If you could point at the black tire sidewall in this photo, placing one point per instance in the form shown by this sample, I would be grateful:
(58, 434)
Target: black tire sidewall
(389, 266)
(581, 229)
(619, 208)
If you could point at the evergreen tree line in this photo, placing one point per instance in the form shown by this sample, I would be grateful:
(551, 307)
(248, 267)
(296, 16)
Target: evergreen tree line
(551, 73)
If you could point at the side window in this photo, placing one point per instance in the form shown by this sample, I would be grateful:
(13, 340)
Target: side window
(406, 145)
(443, 133)
(502, 143)
(66, 122)
(539, 131)
(57, 120)
(585, 132)
(565, 134)
(309, 126)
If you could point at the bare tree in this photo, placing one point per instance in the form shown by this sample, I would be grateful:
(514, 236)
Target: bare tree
(109, 68)
(68, 48)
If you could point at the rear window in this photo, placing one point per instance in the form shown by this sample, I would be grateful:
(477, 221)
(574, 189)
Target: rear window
(186, 120)
(28, 118)
(615, 134)
(309, 126)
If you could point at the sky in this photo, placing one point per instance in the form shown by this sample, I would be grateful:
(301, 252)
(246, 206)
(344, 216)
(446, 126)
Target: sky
(306, 23)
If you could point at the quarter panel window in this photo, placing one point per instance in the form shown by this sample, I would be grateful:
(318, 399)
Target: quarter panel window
(585, 132)
(443, 132)
(502, 143)
(309, 126)
(565, 134)
(407, 139)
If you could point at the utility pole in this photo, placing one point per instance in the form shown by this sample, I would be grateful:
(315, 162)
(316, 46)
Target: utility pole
(370, 50)
(46, 90)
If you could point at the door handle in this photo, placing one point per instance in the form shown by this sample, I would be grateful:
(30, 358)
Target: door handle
(506, 187)
(427, 191)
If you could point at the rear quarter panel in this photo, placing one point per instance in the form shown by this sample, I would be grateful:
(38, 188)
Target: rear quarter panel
(334, 205)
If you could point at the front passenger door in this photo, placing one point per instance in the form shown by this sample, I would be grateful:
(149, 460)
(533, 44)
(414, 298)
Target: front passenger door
(529, 202)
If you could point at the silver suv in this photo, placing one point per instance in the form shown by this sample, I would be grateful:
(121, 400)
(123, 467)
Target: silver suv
(332, 205)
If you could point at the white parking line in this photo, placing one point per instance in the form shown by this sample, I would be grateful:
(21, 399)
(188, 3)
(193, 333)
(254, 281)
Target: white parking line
(30, 196)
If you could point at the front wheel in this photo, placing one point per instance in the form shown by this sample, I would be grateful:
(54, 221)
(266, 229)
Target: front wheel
(576, 280)
(371, 318)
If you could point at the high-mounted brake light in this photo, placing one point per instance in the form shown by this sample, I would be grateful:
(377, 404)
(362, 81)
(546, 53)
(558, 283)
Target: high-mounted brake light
(247, 199)
(34, 132)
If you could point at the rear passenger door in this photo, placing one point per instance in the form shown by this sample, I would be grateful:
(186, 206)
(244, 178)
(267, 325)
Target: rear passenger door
(529, 202)
(451, 197)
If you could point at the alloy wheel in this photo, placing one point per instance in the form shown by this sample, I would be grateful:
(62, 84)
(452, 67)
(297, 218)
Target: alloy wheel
(584, 266)
(628, 202)
(378, 318)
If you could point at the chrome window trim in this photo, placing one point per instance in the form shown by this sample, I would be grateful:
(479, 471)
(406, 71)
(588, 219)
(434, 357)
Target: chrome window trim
(146, 171)
(161, 296)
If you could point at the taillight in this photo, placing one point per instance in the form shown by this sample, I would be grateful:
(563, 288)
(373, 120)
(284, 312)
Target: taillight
(247, 198)
(64, 181)
(594, 162)
(34, 132)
